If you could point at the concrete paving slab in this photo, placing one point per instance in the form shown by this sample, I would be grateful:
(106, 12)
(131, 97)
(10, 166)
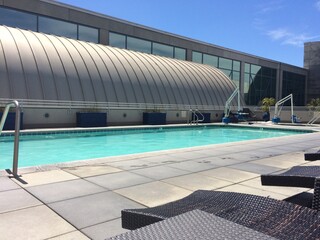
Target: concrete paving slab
(195, 182)
(160, 172)
(163, 159)
(312, 163)
(215, 151)
(279, 162)
(88, 171)
(132, 164)
(16, 199)
(39, 178)
(54, 192)
(6, 183)
(249, 190)
(119, 180)
(287, 191)
(76, 235)
(255, 168)
(229, 174)
(243, 157)
(33, 223)
(187, 154)
(154, 193)
(93, 209)
(105, 230)
(193, 165)
(218, 161)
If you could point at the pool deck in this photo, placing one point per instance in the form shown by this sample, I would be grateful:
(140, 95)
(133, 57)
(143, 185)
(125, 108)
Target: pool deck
(83, 200)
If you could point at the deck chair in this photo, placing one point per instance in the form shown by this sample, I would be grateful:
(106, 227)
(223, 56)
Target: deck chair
(246, 115)
(279, 219)
(250, 113)
(312, 156)
(298, 176)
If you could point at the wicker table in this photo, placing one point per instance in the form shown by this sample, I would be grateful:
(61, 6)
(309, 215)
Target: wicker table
(192, 225)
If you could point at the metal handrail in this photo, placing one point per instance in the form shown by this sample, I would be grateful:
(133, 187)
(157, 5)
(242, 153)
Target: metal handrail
(195, 118)
(202, 119)
(30, 103)
(15, 104)
(314, 118)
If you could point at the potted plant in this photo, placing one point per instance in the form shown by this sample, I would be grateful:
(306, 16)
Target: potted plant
(314, 109)
(266, 104)
(314, 104)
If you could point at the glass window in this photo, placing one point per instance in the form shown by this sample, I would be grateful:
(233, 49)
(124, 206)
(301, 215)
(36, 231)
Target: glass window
(246, 83)
(295, 84)
(247, 67)
(225, 63)
(88, 34)
(179, 53)
(210, 60)
(197, 57)
(162, 50)
(236, 66)
(255, 69)
(139, 45)
(117, 40)
(57, 27)
(12, 18)
(236, 75)
(258, 86)
(227, 72)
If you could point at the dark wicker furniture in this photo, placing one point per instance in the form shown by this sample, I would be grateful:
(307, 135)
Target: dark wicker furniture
(279, 219)
(298, 176)
(312, 156)
(192, 225)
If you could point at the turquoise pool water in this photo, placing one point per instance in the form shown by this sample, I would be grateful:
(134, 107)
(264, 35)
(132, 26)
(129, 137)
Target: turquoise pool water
(50, 148)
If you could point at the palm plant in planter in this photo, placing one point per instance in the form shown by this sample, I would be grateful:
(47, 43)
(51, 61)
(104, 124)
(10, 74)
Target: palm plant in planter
(314, 104)
(314, 109)
(266, 104)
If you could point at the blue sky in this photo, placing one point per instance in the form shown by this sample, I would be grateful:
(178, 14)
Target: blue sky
(274, 29)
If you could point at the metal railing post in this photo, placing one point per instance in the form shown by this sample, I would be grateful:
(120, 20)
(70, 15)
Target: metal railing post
(16, 141)
(16, 133)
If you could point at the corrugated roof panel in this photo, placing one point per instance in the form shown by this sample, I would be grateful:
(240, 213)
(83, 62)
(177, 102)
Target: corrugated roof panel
(93, 71)
(40, 66)
(14, 66)
(5, 89)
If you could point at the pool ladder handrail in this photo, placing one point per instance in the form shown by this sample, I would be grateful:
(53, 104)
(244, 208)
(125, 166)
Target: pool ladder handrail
(15, 104)
(195, 116)
(315, 118)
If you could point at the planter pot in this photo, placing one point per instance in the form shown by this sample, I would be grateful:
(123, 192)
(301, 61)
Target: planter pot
(11, 120)
(266, 116)
(154, 118)
(91, 119)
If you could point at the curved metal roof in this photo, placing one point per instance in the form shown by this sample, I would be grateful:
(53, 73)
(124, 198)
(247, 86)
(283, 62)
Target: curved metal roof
(45, 67)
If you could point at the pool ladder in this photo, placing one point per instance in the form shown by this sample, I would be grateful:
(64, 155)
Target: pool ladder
(15, 104)
(315, 117)
(195, 116)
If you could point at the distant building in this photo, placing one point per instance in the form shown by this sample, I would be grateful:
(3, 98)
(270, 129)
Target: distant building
(48, 72)
(312, 63)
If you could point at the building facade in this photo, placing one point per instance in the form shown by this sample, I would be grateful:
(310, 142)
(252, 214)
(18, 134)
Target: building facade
(256, 77)
(312, 63)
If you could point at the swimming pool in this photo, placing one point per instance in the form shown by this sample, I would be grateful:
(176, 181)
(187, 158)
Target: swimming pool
(57, 147)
